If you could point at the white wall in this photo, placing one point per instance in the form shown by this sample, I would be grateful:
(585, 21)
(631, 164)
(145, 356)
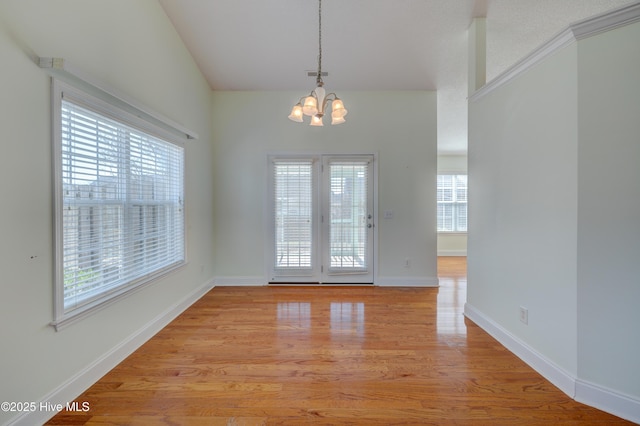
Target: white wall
(399, 126)
(523, 207)
(554, 209)
(132, 47)
(609, 211)
(452, 244)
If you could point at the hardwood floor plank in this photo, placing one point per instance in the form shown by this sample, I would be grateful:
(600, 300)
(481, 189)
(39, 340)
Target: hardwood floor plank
(328, 356)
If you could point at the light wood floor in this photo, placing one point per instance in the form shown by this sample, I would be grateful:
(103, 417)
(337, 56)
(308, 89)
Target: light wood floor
(329, 356)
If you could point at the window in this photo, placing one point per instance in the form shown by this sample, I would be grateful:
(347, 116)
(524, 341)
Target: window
(119, 202)
(452, 203)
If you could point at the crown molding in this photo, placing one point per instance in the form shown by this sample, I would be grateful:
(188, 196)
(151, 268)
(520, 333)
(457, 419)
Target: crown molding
(578, 31)
(607, 21)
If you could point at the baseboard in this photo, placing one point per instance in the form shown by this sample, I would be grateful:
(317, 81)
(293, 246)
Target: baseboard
(407, 282)
(462, 253)
(547, 368)
(380, 281)
(608, 400)
(72, 388)
(239, 281)
(597, 396)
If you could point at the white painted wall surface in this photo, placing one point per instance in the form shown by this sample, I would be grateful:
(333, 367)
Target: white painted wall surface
(448, 163)
(555, 203)
(609, 211)
(523, 207)
(132, 47)
(399, 126)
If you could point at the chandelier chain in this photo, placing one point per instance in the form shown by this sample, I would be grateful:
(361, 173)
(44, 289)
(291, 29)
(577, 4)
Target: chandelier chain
(319, 77)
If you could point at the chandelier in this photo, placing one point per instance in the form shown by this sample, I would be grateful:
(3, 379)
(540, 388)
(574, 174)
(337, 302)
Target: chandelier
(315, 104)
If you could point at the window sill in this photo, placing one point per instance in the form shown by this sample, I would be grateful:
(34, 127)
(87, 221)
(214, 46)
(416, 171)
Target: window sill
(89, 309)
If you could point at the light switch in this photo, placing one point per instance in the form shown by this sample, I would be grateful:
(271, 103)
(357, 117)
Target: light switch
(388, 214)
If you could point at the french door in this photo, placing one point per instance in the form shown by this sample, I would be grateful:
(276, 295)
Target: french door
(322, 219)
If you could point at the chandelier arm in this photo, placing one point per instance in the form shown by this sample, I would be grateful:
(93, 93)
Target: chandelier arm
(326, 100)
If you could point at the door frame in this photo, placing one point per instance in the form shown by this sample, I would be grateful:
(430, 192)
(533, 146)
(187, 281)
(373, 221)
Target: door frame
(269, 228)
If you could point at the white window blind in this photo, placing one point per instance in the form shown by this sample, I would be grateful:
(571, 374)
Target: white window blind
(120, 192)
(293, 192)
(348, 214)
(452, 203)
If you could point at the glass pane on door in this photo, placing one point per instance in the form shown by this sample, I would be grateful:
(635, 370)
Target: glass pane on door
(349, 215)
(293, 187)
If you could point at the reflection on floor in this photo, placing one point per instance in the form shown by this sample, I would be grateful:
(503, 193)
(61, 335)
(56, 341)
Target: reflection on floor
(452, 295)
(330, 356)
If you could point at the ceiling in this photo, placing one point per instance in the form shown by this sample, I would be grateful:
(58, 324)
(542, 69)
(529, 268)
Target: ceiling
(368, 44)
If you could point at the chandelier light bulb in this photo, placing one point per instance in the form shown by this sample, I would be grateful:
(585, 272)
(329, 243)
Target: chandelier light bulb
(338, 109)
(296, 113)
(336, 119)
(316, 120)
(310, 107)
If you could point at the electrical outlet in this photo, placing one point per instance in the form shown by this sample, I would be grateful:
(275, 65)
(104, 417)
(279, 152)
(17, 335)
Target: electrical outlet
(524, 315)
(407, 263)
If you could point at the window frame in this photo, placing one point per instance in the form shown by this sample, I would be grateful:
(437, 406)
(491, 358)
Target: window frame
(103, 105)
(454, 203)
